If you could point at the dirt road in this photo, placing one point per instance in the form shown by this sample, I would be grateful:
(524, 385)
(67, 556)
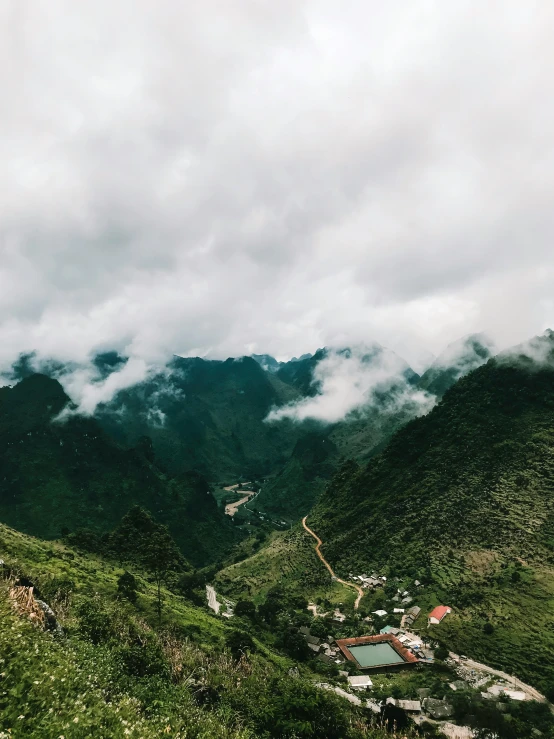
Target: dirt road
(232, 508)
(513, 682)
(331, 571)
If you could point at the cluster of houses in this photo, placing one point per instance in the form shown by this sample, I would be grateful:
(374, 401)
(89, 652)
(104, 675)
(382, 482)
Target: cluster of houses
(373, 581)
(437, 709)
(326, 651)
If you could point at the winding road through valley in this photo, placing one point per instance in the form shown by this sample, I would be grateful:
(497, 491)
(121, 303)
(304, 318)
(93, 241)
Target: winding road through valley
(322, 558)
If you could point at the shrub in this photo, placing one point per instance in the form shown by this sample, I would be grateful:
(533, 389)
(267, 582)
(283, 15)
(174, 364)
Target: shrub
(127, 586)
(94, 622)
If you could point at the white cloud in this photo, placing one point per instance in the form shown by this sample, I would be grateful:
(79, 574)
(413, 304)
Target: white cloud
(230, 177)
(353, 381)
(87, 389)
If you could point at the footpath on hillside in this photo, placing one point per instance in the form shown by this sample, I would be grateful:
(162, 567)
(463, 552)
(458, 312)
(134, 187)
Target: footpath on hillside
(328, 566)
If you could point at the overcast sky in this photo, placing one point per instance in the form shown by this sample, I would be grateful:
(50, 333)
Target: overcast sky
(234, 176)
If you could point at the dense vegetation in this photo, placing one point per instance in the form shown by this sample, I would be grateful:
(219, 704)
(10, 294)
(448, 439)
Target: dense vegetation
(458, 359)
(464, 499)
(207, 415)
(70, 475)
(117, 672)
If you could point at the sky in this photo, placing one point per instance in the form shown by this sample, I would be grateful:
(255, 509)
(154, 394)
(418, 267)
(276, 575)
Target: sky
(238, 176)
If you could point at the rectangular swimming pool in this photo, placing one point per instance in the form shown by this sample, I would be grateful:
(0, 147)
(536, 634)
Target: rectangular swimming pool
(376, 655)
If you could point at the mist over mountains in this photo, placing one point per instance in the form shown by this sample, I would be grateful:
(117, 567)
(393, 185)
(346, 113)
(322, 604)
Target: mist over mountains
(246, 416)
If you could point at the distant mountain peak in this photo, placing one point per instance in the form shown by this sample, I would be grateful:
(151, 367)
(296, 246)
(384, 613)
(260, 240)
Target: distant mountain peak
(458, 359)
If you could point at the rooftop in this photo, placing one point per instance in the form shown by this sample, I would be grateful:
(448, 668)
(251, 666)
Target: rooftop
(390, 652)
(440, 612)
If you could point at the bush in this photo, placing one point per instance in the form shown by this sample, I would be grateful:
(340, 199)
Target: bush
(143, 660)
(245, 608)
(94, 622)
(239, 643)
(127, 586)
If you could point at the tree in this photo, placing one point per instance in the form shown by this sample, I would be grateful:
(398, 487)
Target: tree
(318, 628)
(245, 608)
(127, 586)
(239, 643)
(441, 652)
(294, 645)
(488, 628)
(161, 556)
(142, 539)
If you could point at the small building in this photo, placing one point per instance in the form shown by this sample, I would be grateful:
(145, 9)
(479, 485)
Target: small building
(313, 640)
(438, 709)
(325, 658)
(390, 630)
(398, 610)
(314, 647)
(413, 707)
(438, 614)
(516, 695)
(380, 613)
(360, 682)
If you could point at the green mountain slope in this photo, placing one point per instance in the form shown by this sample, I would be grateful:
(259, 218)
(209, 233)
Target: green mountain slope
(71, 475)
(206, 415)
(294, 490)
(457, 360)
(462, 500)
(477, 471)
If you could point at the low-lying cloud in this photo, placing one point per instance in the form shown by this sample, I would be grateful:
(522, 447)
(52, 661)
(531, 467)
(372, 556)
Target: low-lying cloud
(354, 380)
(226, 178)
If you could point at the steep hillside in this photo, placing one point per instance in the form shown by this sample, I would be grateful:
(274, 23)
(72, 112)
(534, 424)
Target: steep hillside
(294, 490)
(102, 663)
(460, 498)
(463, 501)
(457, 360)
(58, 475)
(476, 472)
(206, 415)
(299, 373)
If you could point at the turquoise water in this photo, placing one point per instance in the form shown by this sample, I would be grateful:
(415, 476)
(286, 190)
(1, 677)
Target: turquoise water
(375, 655)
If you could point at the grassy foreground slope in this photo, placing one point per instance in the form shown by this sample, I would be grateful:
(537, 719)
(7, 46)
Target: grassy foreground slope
(116, 672)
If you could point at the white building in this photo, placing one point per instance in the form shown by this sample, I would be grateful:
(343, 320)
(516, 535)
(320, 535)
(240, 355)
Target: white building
(359, 682)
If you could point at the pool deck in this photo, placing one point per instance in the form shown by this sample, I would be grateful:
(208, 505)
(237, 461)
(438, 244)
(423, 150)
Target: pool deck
(406, 657)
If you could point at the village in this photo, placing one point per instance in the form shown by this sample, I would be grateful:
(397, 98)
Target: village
(389, 666)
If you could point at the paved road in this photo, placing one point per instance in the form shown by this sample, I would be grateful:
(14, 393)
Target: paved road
(322, 558)
(513, 682)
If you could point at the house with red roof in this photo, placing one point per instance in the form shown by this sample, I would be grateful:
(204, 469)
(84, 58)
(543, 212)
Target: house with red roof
(438, 614)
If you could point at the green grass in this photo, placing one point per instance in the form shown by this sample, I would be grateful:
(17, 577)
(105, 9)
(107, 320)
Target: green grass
(118, 673)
